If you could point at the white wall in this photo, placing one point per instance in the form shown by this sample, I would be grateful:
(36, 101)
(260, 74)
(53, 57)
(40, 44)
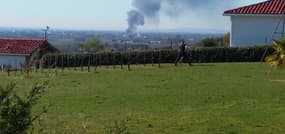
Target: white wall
(14, 61)
(254, 30)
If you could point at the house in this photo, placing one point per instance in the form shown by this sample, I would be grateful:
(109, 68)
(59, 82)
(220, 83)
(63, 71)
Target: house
(257, 24)
(17, 52)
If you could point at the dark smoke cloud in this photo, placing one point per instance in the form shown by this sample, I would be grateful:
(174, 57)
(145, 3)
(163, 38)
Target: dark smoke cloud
(151, 9)
(143, 9)
(135, 19)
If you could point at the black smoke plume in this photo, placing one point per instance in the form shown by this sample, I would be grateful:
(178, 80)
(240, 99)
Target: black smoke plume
(135, 18)
(151, 9)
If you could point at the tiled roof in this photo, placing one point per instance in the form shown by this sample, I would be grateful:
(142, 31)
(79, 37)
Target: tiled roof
(269, 7)
(20, 46)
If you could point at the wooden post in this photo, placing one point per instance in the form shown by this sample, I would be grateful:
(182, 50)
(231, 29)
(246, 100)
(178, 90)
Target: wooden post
(159, 59)
(21, 69)
(129, 61)
(114, 60)
(42, 62)
(137, 57)
(100, 60)
(75, 62)
(89, 62)
(152, 58)
(96, 63)
(56, 60)
(67, 61)
(121, 55)
(49, 63)
(8, 70)
(28, 69)
(62, 64)
(144, 58)
(16, 68)
(82, 62)
(107, 62)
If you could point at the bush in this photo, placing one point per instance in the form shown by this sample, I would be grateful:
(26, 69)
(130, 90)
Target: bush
(15, 112)
(197, 55)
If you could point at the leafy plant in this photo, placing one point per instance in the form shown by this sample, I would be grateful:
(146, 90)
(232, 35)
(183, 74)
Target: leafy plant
(118, 127)
(15, 112)
(93, 45)
(277, 59)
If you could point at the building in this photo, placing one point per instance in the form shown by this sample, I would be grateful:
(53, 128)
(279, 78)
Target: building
(17, 52)
(257, 24)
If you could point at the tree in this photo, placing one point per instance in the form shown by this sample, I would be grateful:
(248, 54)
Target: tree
(94, 45)
(211, 42)
(226, 39)
(277, 59)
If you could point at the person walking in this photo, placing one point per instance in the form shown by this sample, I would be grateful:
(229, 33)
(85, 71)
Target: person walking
(181, 54)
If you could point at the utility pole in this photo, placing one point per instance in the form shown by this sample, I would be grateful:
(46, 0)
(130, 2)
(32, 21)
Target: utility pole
(46, 32)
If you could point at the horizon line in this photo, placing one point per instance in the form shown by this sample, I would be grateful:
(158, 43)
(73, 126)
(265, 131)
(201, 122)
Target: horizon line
(161, 30)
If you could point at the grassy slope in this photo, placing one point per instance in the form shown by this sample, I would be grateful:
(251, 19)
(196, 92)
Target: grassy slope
(207, 98)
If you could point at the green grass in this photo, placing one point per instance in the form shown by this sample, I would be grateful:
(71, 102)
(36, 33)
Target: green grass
(213, 98)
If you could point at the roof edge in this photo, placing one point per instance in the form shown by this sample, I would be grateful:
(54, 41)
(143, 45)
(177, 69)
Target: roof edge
(273, 15)
(225, 12)
(10, 54)
(37, 39)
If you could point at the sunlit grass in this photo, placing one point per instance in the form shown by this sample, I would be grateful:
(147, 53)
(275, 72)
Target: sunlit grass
(205, 98)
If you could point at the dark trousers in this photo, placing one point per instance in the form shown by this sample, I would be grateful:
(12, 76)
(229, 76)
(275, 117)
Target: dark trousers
(184, 56)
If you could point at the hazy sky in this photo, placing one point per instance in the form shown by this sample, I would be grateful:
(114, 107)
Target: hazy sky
(101, 15)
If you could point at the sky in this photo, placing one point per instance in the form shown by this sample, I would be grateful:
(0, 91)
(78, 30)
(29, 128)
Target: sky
(102, 15)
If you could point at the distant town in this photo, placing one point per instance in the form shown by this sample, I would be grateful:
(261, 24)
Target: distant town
(71, 41)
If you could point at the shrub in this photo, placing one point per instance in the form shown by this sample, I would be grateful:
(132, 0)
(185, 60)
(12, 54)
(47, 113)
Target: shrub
(197, 55)
(15, 112)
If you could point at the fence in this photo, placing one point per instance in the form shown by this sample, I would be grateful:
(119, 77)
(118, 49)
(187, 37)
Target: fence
(197, 55)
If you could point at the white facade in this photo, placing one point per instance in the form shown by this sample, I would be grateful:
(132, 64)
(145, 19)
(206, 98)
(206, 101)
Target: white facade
(14, 61)
(252, 30)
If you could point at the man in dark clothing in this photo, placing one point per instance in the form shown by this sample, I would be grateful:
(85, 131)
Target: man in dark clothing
(182, 54)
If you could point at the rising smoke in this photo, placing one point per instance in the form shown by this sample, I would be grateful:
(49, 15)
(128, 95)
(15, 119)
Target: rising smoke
(143, 9)
(151, 9)
(135, 18)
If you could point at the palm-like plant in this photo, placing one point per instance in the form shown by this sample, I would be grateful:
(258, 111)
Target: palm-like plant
(277, 59)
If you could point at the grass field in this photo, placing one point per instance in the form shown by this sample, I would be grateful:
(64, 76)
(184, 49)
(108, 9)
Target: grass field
(206, 98)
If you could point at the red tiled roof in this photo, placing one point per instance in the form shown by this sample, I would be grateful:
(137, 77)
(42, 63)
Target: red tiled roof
(269, 7)
(20, 46)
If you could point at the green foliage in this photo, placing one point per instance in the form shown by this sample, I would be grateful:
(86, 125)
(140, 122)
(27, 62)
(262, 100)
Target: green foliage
(15, 112)
(211, 42)
(226, 39)
(94, 45)
(198, 55)
(277, 59)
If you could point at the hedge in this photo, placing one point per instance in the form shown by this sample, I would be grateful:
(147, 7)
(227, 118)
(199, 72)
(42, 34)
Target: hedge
(197, 55)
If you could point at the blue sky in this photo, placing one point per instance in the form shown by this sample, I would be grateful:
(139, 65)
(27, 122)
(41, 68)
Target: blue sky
(98, 15)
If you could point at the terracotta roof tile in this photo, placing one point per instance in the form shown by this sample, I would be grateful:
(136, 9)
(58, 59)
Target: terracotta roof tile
(20, 46)
(269, 7)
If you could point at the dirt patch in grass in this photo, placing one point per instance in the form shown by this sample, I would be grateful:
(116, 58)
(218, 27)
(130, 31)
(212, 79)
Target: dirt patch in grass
(282, 81)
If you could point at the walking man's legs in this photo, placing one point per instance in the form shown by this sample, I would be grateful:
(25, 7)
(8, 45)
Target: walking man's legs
(188, 59)
(179, 56)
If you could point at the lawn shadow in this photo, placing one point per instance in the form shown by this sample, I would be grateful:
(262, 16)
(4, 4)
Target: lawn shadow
(204, 65)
